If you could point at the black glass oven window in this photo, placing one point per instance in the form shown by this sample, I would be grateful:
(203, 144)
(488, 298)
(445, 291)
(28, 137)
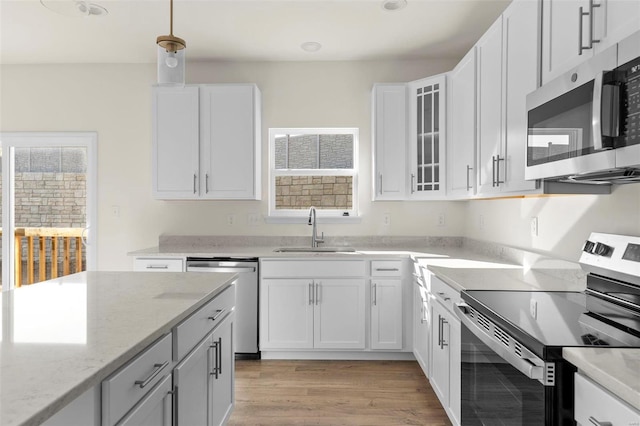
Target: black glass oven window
(561, 128)
(495, 393)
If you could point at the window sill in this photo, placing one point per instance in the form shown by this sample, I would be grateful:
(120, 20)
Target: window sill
(305, 219)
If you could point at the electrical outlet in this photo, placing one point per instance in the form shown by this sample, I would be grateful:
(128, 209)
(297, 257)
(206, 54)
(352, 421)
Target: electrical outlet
(481, 222)
(253, 219)
(534, 226)
(386, 219)
(441, 220)
(533, 308)
(231, 219)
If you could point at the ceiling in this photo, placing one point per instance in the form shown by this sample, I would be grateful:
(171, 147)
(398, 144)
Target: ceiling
(245, 30)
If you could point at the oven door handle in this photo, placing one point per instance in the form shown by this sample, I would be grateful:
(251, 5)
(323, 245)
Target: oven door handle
(523, 365)
(227, 269)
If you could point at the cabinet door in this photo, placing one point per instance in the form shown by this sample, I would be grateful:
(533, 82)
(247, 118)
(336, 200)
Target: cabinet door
(455, 362)
(339, 319)
(427, 138)
(386, 314)
(561, 37)
(228, 142)
(461, 143)
(390, 141)
(191, 378)
(421, 328)
(175, 142)
(154, 409)
(286, 314)
(520, 44)
(222, 393)
(620, 19)
(440, 353)
(490, 109)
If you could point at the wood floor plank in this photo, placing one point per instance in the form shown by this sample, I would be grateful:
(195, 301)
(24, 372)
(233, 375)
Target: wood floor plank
(371, 393)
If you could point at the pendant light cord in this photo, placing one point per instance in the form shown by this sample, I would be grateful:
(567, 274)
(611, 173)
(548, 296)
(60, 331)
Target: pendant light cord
(171, 17)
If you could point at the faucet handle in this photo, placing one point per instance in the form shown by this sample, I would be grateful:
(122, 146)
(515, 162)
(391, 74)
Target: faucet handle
(321, 239)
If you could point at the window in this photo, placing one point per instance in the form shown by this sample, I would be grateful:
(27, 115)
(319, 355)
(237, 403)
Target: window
(313, 167)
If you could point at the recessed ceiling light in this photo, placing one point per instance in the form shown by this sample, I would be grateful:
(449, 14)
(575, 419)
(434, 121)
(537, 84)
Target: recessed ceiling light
(393, 5)
(311, 46)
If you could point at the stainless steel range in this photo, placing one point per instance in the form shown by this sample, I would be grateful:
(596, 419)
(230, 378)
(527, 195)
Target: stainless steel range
(513, 372)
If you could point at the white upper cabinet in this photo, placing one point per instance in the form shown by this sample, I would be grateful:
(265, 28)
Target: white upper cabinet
(490, 109)
(176, 142)
(507, 72)
(230, 133)
(206, 142)
(461, 142)
(389, 141)
(427, 133)
(575, 30)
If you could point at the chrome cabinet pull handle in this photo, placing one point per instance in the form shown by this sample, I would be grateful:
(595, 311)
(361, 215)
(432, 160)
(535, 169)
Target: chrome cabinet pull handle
(413, 178)
(317, 293)
(498, 160)
(157, 266)
(217, 314)
(206, 183)
(375, 294)
(444, 343)
(214, 370)
(380, 183)
(468, 168)
(311, 293)
(595, 422)
(195, 177)
(219, 357)
(387, 269)
(157, 368)
(581, 15)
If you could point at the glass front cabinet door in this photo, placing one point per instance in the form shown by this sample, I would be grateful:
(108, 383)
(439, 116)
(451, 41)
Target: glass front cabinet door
(427, 138)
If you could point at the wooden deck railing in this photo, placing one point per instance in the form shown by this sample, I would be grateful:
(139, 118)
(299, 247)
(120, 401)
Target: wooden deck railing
(42, 235)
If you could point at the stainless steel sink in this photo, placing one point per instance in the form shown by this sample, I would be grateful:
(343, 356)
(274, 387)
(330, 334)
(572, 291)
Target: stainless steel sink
(315, 250)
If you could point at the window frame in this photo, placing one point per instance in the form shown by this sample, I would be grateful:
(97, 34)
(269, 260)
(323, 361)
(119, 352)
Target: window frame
(273, 172)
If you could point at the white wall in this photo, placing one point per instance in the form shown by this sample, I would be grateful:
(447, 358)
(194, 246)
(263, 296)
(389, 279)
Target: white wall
(564, 222)
(115, 101)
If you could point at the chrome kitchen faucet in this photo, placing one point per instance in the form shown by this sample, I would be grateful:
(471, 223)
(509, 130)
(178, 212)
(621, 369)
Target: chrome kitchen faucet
(314, 234)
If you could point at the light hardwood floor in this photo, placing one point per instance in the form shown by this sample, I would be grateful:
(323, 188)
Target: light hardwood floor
(367, 393)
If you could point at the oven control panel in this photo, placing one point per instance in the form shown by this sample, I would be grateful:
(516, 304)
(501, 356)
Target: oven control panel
(617, 256)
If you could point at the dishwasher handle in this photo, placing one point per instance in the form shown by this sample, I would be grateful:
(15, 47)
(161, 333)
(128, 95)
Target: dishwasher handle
(231, 269)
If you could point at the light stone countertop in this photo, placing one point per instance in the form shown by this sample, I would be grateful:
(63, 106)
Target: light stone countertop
(617, 370)
(64, 336)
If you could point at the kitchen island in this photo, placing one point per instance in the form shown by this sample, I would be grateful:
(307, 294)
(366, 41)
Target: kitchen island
(62, 337)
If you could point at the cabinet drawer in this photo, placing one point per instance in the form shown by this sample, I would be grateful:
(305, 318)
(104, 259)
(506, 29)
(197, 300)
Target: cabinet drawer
(594, 402)
(128, 385)
(190, 331)
(445, 294)
(158, 264)
(386, 268)
(313, 268)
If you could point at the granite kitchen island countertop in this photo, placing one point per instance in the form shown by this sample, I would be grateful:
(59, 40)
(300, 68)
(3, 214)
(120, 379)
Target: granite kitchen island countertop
(64, 336)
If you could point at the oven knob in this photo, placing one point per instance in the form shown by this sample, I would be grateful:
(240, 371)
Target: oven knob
(588, 246)
(603, 250)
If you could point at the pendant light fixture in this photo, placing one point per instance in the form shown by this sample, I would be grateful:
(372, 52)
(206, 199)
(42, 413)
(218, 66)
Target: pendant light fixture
(171, 55)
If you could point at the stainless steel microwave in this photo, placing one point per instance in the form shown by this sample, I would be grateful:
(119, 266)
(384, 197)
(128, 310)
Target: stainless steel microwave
(581, 121)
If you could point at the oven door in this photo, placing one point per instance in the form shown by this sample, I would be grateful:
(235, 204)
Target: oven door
(499, 387)
(570, 122)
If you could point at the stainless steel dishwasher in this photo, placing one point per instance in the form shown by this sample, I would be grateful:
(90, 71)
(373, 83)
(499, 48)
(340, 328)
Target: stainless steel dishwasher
(246, 327)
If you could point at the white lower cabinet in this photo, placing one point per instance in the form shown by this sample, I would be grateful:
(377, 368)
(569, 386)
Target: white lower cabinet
(323, 313)
(154, 409)
(594, 405)
(445, 349)
(421, 326)
(204, 379)
(386, 314)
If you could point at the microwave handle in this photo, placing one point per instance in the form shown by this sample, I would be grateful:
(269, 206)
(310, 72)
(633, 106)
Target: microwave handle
(596, 116)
